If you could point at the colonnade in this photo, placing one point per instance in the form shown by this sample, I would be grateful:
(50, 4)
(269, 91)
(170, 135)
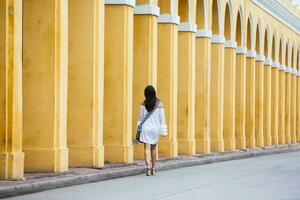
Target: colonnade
(73, 74)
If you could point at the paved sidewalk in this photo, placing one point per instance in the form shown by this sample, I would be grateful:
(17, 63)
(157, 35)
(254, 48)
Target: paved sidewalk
(44, 181)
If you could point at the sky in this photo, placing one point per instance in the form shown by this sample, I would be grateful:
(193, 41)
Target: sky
(296, 2)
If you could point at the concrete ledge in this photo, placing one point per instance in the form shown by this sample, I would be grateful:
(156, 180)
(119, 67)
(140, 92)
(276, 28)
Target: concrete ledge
(118, 171)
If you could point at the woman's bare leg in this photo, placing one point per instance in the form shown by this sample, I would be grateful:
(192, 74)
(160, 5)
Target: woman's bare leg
(153, 155)
(147, 153)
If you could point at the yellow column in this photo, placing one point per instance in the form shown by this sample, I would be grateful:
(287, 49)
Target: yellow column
(202, 90)
(281, 106)
(217, 93)
(229, 95)
(274, 102)
(167, 40)
(267, 102)
(118, 81)
(259, 99)
(45, 75)
(144, 60)
(287, 97)
(298, 107)
(293, 104)
(85, 86)
(11, 156)
(240, 98)
(186, 89)
(250, 99)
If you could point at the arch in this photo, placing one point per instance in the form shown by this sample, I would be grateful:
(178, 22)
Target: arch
(184, 10)
(239, 28)
(292, 62)
(258, 43)
(202, 14)
(280, 52)
(228, 22)
(298, 59)
(274, 49)
(215, 22)
(287, 53)
(267, 42)
(249, 33)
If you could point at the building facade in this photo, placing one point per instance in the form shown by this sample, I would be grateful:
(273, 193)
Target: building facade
(73, 73)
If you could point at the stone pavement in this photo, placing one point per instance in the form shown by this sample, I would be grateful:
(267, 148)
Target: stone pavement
(45, 181)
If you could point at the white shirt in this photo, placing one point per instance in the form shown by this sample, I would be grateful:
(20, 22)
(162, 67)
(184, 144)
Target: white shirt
(154, 126)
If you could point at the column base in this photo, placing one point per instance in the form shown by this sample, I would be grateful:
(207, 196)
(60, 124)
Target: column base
(217, 145)
(288, 139)
(229, 144)
(203, 146)
(138, 152)
(12, 166)
(86, 156)
(241, 143)
(250, 142)
(186, 147)
(274, 140)
(115, 154)
(46, 160)
(259, 142)
(267, 141)
(168, 149)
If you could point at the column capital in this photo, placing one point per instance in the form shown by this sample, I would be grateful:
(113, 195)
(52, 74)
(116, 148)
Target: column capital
(268, 61)
(251, 54)
(120, 2)
(295, 72)
(147, 10)
(241, 50)
(218, 39)
(187, 27)
(298, 73)
(276, 64)
(288, 70)
(230, 44)
(205, 33)
(169, 19)
(260, 58)
(282, 67)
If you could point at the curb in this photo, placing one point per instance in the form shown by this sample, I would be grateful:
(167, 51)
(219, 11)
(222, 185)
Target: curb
(195, 160)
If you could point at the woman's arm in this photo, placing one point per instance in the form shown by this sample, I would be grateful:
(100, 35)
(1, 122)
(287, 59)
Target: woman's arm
(163, 126)
(141, 114)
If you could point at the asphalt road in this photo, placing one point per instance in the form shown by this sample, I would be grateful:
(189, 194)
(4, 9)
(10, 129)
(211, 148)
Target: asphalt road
(265, 178)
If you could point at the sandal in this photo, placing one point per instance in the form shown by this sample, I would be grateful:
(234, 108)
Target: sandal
(148, 172)
(153, 171)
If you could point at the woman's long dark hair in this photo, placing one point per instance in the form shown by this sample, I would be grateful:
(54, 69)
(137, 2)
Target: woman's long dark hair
(150, 98)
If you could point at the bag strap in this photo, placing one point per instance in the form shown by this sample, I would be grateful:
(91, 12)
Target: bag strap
(149, 114)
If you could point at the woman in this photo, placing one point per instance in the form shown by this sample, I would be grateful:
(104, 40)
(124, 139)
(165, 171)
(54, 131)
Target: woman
(152, 118)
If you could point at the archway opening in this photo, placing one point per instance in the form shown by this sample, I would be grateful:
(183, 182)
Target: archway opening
(238, 30)
(227, 27)
(280, 55)
(183, 10)
(249, 35)
(266, 44)
(257, 40)
(200, 14)
(273, 49)
(215, 18)
(292, 58)
(286, 60)
(165, 6)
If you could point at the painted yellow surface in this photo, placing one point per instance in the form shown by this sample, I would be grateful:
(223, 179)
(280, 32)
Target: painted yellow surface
(118, 83)
(240, 101)
(73, 80)
(186, 93)
(45, 75)
(167, 40)
(202, 94)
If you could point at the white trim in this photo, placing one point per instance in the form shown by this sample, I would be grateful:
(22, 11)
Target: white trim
(298, 73)
(120, 2)
(282, 67)
(187, 27)
(288, 70)
(230, 44)
(276, 64)
(241, 50)
(251, 54)
(260, 58)
(294, 71)
(218, 39)
(147, 10)
(205, 33)
(280, 12)
(268, 62)
(168, 19)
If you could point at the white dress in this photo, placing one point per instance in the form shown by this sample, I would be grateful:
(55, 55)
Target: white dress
(154, 126)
